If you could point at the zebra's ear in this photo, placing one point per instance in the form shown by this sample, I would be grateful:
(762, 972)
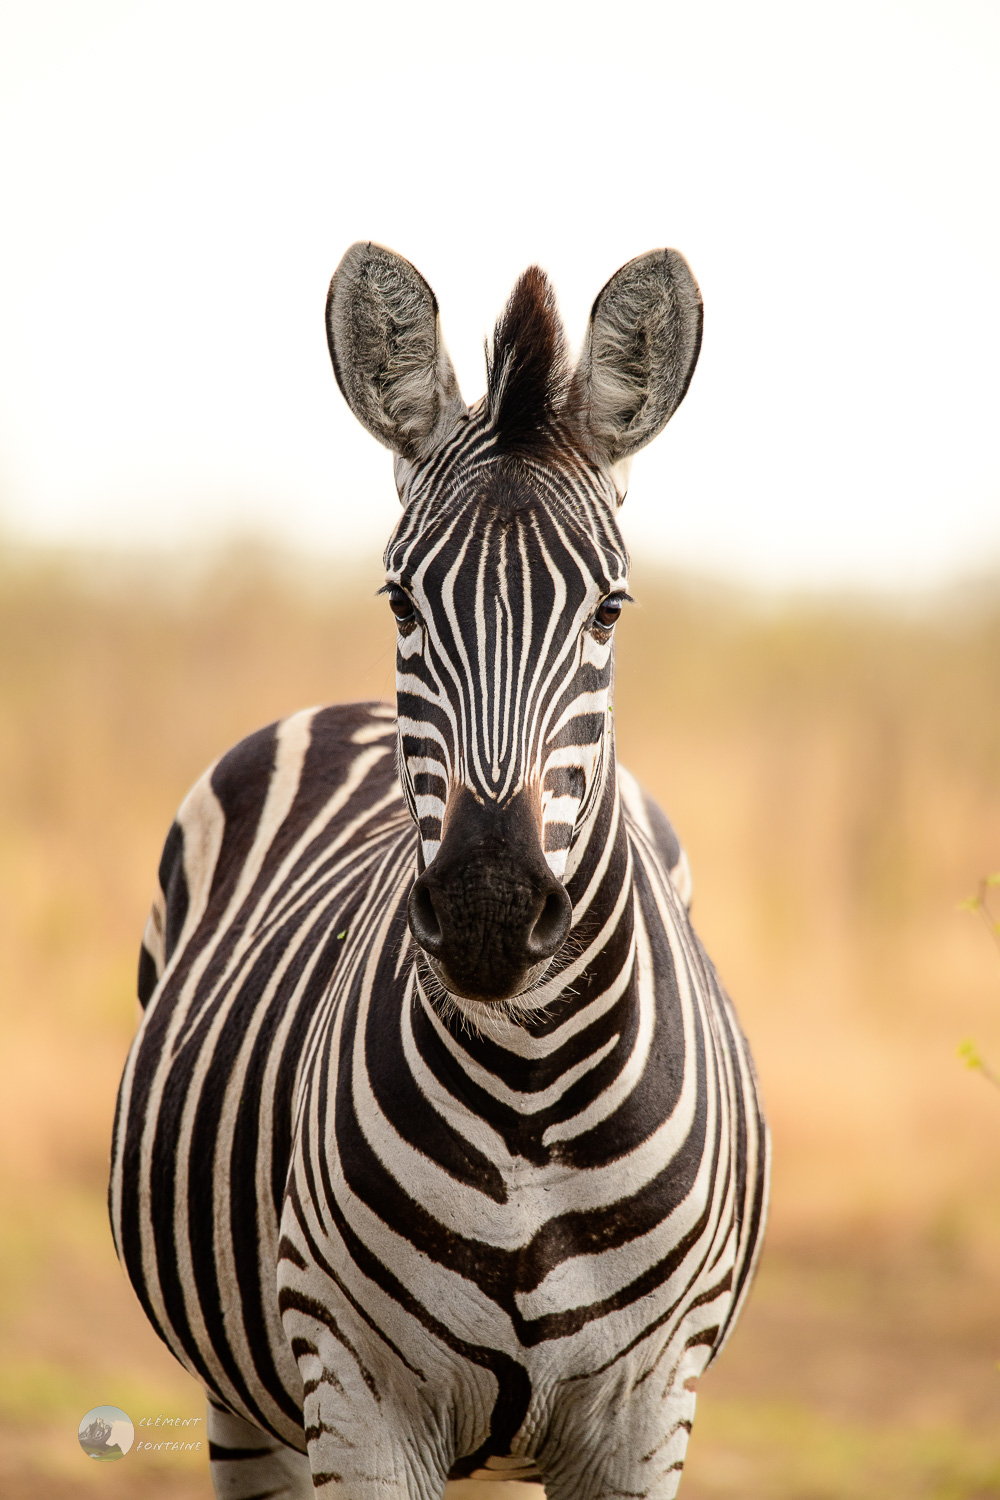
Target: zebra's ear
(385, 342)
(639, 354)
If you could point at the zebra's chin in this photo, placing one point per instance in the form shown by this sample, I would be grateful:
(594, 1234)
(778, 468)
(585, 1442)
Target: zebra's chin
(447, 989)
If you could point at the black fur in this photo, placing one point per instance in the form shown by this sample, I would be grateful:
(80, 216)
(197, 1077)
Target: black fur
(527, 371)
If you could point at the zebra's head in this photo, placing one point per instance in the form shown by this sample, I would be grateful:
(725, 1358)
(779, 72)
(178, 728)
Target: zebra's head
(506, 574)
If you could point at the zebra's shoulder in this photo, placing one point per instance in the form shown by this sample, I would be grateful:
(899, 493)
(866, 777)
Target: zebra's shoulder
(259, 797)
(281, 776)
(645, 815)
(317, 748)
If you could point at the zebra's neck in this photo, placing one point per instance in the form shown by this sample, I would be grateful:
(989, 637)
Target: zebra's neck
(578, 1016)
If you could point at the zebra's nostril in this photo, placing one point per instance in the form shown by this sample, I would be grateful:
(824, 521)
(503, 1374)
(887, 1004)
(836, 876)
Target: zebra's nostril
(423, 919)
(551, 927)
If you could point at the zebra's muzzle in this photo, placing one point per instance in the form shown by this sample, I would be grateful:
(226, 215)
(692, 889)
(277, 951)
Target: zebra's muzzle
(488, 912)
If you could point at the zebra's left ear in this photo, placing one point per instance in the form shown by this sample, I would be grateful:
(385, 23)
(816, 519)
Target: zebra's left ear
(385, 342)
(639, 354)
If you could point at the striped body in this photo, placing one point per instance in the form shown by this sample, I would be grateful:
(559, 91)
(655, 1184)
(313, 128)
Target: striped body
(494, 1238)
(438, 1152)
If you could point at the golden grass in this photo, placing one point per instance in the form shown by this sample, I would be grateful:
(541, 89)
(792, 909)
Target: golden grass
(834, 772)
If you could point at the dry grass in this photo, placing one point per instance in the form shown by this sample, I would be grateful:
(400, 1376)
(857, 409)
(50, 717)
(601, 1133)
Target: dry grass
(835, 774)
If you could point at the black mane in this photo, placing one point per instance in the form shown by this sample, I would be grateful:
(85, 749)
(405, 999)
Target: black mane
(527, 375)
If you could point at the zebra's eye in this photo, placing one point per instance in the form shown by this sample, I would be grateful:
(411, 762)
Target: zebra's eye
(400, 605)
(609, 611)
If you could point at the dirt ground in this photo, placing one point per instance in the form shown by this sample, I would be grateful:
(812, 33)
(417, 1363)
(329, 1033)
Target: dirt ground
(877, 1376)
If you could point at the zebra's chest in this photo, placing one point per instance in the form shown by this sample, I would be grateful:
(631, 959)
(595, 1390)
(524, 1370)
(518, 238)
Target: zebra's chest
(423, 1172)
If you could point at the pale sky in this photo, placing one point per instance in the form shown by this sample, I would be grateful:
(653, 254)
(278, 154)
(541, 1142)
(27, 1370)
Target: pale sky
(179, 179)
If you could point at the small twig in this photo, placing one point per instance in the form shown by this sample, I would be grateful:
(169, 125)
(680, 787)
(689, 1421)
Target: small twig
(980, 903)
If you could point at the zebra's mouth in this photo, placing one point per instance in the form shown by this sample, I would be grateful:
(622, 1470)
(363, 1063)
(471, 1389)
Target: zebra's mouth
(532, 979)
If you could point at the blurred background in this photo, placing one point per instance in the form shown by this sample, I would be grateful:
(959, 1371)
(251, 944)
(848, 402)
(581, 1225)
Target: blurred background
(190, 534)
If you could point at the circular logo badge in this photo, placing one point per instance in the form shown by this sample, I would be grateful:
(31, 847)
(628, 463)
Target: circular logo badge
(106, 1433)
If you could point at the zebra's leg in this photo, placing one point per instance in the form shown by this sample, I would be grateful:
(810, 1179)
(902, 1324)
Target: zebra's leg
(247, 1464)
(630, 1439)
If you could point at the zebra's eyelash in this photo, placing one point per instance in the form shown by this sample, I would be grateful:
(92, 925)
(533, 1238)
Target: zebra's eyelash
(596, 624)
(404, 623)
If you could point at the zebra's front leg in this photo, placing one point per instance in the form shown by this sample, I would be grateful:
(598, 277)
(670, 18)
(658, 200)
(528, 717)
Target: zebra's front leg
(247, 1464)
(363, 1442)
(627, 1442)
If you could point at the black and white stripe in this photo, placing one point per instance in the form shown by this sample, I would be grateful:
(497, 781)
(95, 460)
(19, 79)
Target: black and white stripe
(399, 1231)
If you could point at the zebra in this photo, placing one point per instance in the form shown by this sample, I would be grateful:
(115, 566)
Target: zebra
(438, 1153)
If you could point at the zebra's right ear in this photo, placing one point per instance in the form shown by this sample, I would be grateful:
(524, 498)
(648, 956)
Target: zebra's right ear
(385, 342)
(639, 355)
